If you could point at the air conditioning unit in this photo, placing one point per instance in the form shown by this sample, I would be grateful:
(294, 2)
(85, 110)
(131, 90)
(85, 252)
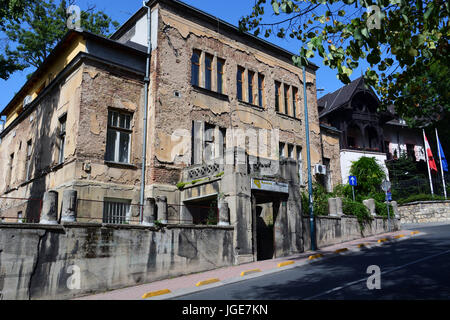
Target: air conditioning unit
(27, 101)
(320, 169)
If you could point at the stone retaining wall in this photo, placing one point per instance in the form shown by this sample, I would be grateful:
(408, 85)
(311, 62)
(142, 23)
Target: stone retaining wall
(43, 261)
(425, 211)
(333, 230)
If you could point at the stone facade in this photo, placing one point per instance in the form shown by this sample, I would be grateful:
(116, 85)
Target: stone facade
(424, 212)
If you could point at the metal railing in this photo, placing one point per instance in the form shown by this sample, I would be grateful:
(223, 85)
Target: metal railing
(20, 210)
(125, 212)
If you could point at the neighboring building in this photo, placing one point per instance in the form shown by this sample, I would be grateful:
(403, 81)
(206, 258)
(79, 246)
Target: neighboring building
(224, 122)
(353, 109)
(399, 139)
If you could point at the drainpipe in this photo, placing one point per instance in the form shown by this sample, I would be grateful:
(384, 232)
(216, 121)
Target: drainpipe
(146, 90)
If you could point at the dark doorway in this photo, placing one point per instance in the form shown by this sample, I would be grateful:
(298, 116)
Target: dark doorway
(266, 206)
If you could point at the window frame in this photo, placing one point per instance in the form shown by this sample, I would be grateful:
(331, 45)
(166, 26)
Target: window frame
(250, 86)
(196, 65)
(294, 101)
(277, 95)
(286, 98)
(62, 137)
(261, 90)
(208, 71)
(118, 130)
(121, 206)
(28, 159)
(240, 83)
(220, 75)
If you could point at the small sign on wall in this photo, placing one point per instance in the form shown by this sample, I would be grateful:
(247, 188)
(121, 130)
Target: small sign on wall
(268, 185)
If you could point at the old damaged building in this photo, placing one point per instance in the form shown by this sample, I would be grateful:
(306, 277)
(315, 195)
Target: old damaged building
(225, 140)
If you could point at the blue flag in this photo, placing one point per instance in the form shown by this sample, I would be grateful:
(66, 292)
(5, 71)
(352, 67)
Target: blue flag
(443, 160)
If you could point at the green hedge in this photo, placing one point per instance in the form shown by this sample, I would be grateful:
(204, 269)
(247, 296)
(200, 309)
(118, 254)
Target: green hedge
(419, 197)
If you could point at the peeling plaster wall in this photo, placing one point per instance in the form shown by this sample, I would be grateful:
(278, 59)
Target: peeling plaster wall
(41, 126)
(178, 37)
(35, 260)
(331, 149)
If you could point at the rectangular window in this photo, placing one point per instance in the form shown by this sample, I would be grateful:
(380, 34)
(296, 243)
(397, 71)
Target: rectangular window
(240, 81)
(62, 138)
(208, 70)
(300, 164)
(11, 168)
(251, 76)
(118, 137)
(294, 101)
(28, 160)
(277, 96)
(286, 99)
(209, 142)
(290, 151)
(260, 90)
(220, 67)
(195, 68)
(281, 150)
(116, 211)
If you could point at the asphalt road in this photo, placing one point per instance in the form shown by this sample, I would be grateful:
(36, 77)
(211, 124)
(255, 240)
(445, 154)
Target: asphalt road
(415, 268)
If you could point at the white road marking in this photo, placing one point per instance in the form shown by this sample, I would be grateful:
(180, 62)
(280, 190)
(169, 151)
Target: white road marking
(384, 272)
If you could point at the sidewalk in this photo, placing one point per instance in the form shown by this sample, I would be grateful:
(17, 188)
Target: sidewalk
(170, 288)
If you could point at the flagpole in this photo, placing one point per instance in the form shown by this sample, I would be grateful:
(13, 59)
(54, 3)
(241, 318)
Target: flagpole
(427, 159)
(440, 161)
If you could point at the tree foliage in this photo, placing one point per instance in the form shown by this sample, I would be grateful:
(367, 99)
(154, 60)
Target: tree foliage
(12, 9)
(409, 47)
(42, 25)
(369, 175)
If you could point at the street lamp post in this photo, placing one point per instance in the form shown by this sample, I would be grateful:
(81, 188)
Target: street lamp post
(308, 156)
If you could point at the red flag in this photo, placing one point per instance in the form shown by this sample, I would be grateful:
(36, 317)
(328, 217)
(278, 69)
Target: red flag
(430, 155)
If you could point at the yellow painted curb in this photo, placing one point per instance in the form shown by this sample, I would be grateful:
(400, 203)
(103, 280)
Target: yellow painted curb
(382, 240)
(285, 263)
(341, 250)
(415, 232)
(399, 236)
(244, 273)
(205, 282)
(155, 293)
(315, 256)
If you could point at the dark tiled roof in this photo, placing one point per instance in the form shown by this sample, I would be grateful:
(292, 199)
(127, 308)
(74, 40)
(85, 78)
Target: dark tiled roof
(338, 98)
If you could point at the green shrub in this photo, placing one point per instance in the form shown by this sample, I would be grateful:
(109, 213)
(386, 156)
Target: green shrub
(181, 185)
(381, 209)
(369, 175)
(320, 200)
(354, 208)
(419, 197)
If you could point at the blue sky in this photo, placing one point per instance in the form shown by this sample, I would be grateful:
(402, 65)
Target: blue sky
(230, 11)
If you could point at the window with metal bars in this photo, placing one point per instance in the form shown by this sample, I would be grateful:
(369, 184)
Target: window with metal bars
(116, 211)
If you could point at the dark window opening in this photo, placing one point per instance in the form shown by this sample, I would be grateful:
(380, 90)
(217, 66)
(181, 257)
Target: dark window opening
(195, 68)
